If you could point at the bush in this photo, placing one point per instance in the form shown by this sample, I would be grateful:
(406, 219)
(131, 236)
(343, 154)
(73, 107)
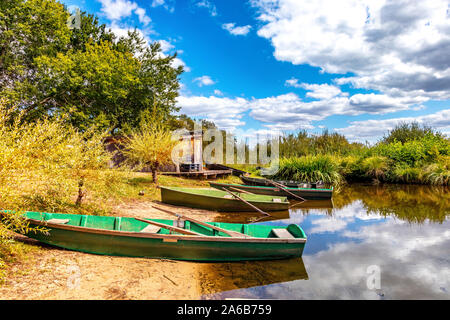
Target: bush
(405, 132)
(375, 167)
(43, 166)
(311, 169)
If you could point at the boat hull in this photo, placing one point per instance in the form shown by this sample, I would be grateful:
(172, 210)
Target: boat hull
(305, 193)
(200, 201)
(164, 246)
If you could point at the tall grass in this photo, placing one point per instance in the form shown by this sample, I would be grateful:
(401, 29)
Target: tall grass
(310, 169)
(408, 154)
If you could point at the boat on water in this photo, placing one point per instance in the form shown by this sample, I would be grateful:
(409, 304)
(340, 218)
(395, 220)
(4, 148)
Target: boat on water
(180, 239)
(251, 181)
(305, 193)
(219, 200)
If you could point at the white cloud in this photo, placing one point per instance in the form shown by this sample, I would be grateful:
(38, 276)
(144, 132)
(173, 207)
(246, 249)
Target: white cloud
(143, 18)
(226, 113)
(289, 112)
(322, 91)
(157, 3)
(399, 48)
(372, 130)
(209, 6)
(218, 92)
(178, 62)
(166, 47)
(235, 30)
(122, 31)
(115, 10)
(204, 81)
(292, 83)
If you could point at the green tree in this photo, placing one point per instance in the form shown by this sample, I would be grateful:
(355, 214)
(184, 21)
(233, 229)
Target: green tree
(48, 69)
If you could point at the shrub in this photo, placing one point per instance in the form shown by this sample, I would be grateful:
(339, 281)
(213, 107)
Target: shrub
(375, 167)
(149, 146)
(42, 165)
(310, 168)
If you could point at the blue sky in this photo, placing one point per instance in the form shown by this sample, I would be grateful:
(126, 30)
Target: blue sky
(357, 68)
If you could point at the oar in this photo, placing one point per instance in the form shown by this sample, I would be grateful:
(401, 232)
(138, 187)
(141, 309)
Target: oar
(254, 207)
(171, 228)
(228, 232)
(276, 184)
(239, 190)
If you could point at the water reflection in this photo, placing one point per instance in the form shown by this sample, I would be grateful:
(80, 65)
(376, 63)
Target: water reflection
(404, 230)
(217, 279)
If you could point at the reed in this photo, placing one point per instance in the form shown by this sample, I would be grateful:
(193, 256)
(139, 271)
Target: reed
(310, 168)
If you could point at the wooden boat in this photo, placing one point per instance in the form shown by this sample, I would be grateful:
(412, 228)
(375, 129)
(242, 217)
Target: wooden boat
(290, 184)
(218, 200)
(305, 193)
(159, 238)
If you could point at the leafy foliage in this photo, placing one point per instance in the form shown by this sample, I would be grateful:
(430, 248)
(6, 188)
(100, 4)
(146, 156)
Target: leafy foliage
(48, 69)
(150, 145)
(310, 169)
(405, 132)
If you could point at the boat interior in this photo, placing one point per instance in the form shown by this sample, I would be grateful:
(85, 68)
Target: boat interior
(164, 226)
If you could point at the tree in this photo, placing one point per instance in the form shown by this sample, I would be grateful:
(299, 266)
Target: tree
(48, 69)
(150, 145)
(404, 132)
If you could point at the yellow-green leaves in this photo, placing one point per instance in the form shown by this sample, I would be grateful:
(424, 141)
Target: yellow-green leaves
(149, 146)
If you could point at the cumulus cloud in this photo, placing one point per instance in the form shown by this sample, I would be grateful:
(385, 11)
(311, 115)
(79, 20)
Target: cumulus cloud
(204, 81)
(117, 9)
(235, 30)
(226, 113)
(122, 31)
(371, 130)
(156, 3)
(390, 46)
(209, 6)
(290, 112)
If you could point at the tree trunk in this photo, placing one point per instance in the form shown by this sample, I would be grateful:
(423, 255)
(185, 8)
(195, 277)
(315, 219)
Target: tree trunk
(155, 175)
(81, 193)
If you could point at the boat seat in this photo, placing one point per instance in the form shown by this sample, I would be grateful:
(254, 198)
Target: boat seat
(276, 200)
(228, 196)
(59, 221)
(151, 229)
(283, 233)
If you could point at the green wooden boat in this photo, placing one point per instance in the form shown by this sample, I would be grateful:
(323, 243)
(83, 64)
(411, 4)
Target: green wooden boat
(251, 181)
(218, 200)
(168, 239)
(305, 193)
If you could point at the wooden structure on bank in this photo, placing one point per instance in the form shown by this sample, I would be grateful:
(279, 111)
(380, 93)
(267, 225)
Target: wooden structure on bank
(191, 164)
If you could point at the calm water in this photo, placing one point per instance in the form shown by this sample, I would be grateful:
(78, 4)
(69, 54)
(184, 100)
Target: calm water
(402, 231)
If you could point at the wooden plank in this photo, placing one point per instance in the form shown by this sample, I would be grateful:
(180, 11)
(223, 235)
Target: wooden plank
(171, 228)
(151, 229)
(283, 234)
(58, 221)
(229, 232)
